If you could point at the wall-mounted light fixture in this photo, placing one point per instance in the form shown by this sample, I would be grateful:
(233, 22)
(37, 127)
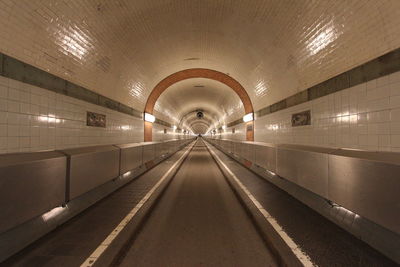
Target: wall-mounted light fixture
(223, 127)
(174, 127)
(248, 117)
(150, 118)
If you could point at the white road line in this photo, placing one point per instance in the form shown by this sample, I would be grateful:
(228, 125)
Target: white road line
(303, 257)
(108, 240)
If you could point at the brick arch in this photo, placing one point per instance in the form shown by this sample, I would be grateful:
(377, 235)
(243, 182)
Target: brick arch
(198, 73)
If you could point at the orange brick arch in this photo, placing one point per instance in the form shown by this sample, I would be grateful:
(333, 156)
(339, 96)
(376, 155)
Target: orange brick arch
(198, 73)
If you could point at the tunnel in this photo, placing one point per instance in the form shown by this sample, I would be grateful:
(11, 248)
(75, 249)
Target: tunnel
(199, 133)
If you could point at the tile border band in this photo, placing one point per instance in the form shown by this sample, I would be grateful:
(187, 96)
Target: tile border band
(381, 66)
(373, 69)
(17, 70)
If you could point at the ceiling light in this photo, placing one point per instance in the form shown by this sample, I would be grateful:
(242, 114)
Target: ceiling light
(148, 117)
(248, 117)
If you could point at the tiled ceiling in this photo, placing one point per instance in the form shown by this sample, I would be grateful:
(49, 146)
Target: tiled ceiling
(123, 48)
(199, 128)
(200, 125)
(219, 103)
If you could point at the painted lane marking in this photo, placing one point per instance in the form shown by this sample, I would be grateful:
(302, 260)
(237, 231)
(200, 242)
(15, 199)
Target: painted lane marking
(302, 256)
(110, 238)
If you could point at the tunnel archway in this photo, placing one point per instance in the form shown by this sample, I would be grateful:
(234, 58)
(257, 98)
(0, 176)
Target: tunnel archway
(198, 73)
(190, 117)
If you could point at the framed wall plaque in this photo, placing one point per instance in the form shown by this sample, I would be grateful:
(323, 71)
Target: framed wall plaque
(301, 118)
(95, 119)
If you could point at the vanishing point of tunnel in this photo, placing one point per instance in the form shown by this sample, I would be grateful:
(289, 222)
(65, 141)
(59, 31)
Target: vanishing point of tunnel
(199, 133)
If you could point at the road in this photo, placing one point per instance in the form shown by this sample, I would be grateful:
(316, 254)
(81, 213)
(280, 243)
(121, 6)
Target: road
(198, 222)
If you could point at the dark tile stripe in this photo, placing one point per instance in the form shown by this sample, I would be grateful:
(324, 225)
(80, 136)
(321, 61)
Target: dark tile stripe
(164, 123)
(17, 70)
(233, 123)
(20, 71)
(373, 69)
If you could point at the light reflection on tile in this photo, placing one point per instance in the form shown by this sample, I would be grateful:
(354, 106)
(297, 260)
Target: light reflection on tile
(123, 49)
(368, 128)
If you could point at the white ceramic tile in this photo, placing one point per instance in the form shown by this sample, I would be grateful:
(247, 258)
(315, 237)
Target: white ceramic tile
(395, 128)
(303, 46)
(13, 130)
(32, 123)
(363, 140)
(382, 81)
(4, 81)
(395, 89)
(3, 117)
(3, 91)
(13, 106)
(395, 140)
(25, 97)
(384, 140)
(3, 144)
(371, 85)
(394, 77)
(395, 101)
(25, 142)
(25, 108)
(379, 116)
(3, 104)
(3, 130)
(395, 115)
(378, 104)
(12, 143)
(378, 93)
(14, 94)
(349, 128)
(35, 99)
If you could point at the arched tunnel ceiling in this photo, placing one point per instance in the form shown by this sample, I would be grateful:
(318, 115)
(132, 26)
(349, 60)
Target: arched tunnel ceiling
(199, 128)
(192, 122)
(209, 118)
(122, 49)
(218, 101)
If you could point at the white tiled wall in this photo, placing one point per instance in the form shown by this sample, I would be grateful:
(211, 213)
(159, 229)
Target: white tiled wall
(34, 119)
(159, 135)
(366, 116)
(83, 42)
(239, 135)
